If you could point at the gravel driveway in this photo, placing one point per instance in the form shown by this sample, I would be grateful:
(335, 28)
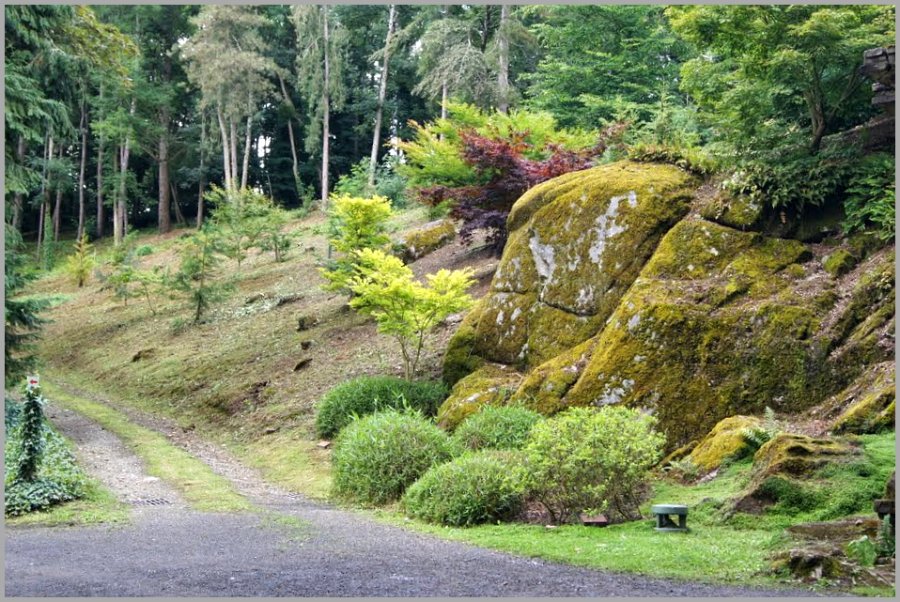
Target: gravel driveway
(170, 550)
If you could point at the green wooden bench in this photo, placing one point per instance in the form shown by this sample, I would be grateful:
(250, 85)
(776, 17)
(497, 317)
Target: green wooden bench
(664, 514)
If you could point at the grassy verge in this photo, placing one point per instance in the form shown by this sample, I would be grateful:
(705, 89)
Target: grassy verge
(195, 481)
(97, 506)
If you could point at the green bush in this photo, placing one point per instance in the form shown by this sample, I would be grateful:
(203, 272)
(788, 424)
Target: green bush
(870, 202)
(589, 460)
(476, 488)
(377, 457)
(368, 394)
(496, 428)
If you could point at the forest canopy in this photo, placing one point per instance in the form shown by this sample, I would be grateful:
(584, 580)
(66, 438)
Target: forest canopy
(125, 116)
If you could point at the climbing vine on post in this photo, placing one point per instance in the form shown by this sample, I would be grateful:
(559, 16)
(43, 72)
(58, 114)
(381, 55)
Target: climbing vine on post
(32, 429)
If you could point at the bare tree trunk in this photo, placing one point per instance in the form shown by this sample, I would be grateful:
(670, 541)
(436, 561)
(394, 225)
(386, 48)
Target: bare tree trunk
(84, 141)
(57, 208)
(45, 190)
(117, 222)
(232, 141)
(246, 166)
(123, 173)
(327, 110)
(17, 198)
(503, 72)
(163, 210)
(100, 189)
(202, 183)
(226, 147)
(382, 93)
(295, 165)
(179, 217)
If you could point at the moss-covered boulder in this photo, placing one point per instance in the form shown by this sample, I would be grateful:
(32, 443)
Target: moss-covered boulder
(598, 299)
(491, 384)
(798, 455)
(784, 464)
(871, 402)
(576, 243)
(725, 442)
(732, 210)
(839, 262)
(427, 239)
(703, 334)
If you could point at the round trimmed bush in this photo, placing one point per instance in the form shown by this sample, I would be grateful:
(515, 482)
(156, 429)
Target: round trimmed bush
(377, 457)
(504, 427)
(475, 488)
(368, 394)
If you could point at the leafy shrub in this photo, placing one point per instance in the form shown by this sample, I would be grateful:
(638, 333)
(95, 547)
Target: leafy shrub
(589, 460)
(871, 197)
(80, 263)
(863, 550)
(405, 309)
(354, 224)
(505, 427)
(377, 457)
(369, 394)
(474, 488)
(388, 182)
(143, 251)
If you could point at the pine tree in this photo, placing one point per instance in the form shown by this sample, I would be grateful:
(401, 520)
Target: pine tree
(22, 322)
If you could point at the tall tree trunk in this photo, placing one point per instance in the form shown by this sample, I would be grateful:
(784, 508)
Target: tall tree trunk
(84, 142)
(246, 165)
(57, 208)
(382, 93)
(164, 209)
(503, 48)
(226, 148)
(179, 217)
(123, 174)
(295, 165)
(164, 222)
(117, 222)
(17, 198)
(326, 112)
(100, 146)
(45, 190)
(232, 141)
(202, 183)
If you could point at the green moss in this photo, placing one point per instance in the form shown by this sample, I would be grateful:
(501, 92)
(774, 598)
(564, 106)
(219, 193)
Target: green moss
(460, 359)
(725, 442)
(839, 262)
(544, 387)
(576, 244)
(428, 238)
(799, 455)
(873, 410)
(735, 211)
(491, 384)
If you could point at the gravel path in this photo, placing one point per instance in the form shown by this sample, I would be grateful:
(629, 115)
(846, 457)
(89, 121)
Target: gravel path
(174, 551)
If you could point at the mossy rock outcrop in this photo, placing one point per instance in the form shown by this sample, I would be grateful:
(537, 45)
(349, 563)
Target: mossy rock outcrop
(491, 384)
(607, 294)
(871, 404)
(576, 243)
(725, 442)
(733, 210)
(427, 239)
(781, 466)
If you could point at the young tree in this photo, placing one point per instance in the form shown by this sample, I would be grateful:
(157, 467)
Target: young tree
(80, 263)
(386, 289)
(201, 257)
(354, 223)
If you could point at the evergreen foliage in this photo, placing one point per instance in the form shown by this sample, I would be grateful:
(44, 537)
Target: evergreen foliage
(22, 322)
